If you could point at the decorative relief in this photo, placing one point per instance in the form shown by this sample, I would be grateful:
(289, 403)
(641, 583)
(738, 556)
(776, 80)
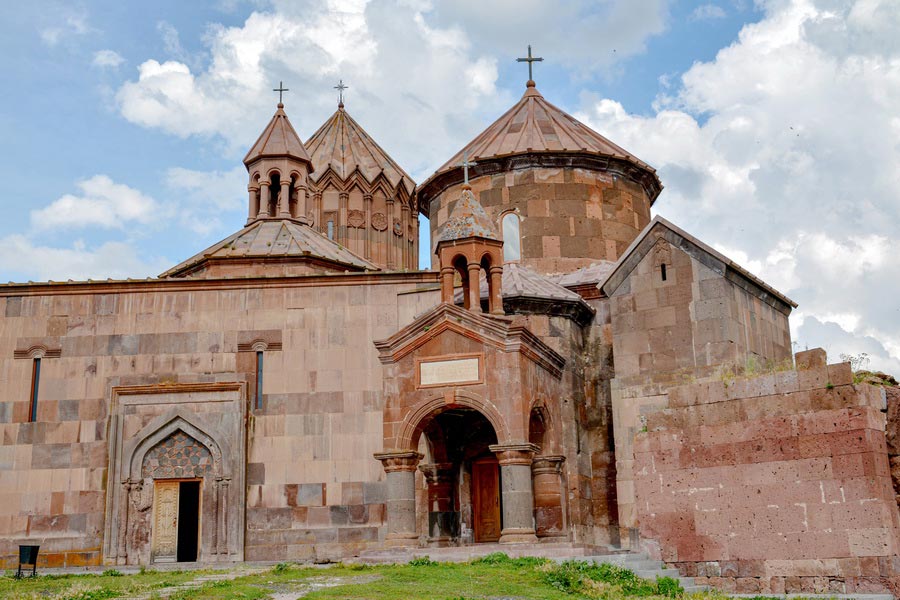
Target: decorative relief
(379, 221)
(398, 228)
(179, 455)
(356, 218)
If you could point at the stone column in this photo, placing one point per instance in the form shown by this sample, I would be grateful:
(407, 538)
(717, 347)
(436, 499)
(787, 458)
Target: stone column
(474, 287)
(367, 228)
(516, 492)
(404, 224)
(549, 519)
(317, 210)
(442, 519)
(124, 501)
(344, 198)
(495, 289)
(253, 192)
(264, 199)
(447, 274)
(222, 521)
(302, 208)
(284, 199)
(400, 468)
(389, 232)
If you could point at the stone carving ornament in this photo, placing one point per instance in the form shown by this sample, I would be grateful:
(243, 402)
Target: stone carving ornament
(398, 228)
(379, 221)
(356, 218)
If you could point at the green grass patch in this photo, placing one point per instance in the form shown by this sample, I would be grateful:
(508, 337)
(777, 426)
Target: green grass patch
(110, 584)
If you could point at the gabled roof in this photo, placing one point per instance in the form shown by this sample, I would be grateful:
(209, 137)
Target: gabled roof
(467, 219)
(535, 125)
(527, 291)
(721, 264)
(276, 239)
(500, 332)
(278, 139)
(342, 144)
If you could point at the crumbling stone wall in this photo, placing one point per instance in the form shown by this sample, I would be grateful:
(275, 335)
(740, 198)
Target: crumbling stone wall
(774, 484)
(892, 433)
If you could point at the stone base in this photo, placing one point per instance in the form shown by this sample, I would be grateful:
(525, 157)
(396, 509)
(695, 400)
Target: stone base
(518, 536)
(440, 542)
(553, 538)
(401, 540)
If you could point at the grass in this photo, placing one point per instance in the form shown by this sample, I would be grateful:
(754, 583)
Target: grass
(490, 577)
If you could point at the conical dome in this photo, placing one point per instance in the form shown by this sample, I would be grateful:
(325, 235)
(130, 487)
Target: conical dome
(278, 140)
(342, 144)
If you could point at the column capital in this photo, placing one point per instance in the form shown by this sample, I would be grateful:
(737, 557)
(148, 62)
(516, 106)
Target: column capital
(436, 473)
(547, 464)
(514, 454)
(393, 462)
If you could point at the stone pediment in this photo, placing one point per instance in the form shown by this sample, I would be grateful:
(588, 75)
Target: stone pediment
(502, 333)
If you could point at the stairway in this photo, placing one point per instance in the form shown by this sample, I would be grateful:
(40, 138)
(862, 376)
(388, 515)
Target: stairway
(642, 566)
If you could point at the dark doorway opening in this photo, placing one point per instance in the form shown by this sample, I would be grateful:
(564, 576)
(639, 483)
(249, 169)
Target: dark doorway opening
(188, 520)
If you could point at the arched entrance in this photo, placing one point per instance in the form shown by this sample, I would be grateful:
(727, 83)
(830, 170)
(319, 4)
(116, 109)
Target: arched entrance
(461, 502)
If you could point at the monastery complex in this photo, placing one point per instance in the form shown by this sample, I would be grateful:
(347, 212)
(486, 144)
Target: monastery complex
(570, 371)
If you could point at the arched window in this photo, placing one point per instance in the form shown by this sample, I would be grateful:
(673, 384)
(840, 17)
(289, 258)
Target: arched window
(512, 242)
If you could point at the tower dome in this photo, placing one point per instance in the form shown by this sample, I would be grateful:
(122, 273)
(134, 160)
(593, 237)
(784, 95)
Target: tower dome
(570, 196)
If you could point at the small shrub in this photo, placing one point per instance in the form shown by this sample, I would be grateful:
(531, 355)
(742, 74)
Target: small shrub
(111, 573)
(668, 586)
(281, 567)
(422, 561)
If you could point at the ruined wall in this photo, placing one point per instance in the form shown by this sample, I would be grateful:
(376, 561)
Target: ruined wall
(671, 328)
(773, 484)
(312, 484)
(571, 217)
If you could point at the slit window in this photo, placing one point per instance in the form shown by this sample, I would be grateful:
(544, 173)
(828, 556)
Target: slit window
(259, 379)
(35, 384)
(330, 233)
(512, 249)
(662, 271)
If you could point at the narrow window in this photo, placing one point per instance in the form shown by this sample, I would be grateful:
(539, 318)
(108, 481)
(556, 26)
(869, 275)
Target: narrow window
(259, 378)
(511, 241)
(330, 230)
(35, 382)
(662, 271)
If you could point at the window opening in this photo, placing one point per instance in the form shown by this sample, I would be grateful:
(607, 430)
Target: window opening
(35, 384)
(259, 379)
(662, 271)
(512, 242)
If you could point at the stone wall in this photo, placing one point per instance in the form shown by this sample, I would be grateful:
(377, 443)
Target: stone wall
(666, 330)
(773, 484)
(312, 486)
(571, 218)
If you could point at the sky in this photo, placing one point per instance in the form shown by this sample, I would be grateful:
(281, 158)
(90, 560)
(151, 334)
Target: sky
(774, 125)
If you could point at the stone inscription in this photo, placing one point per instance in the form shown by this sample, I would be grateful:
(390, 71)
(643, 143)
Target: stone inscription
(441, 372)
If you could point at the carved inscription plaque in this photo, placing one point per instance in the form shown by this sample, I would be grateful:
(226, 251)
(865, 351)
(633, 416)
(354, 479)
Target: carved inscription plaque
(451, 371)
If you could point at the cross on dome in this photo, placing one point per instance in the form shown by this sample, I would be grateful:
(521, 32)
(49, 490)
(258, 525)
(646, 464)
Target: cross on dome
(340, 87)
(465, 164)
(530, 59)
(280, 89)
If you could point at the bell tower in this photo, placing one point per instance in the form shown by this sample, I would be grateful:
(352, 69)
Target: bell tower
(468, 245)
(279, 168)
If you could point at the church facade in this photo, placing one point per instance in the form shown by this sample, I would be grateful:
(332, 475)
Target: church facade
(301, 391)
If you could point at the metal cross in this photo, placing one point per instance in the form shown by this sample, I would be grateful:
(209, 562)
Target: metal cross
(340, 87)
(280, 89)
(529, 60)
(465, 164)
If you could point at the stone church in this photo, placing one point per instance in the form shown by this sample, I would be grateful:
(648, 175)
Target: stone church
(301, 390)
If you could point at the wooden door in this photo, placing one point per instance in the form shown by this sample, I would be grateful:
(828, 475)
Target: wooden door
(486, 500)
(165, 522)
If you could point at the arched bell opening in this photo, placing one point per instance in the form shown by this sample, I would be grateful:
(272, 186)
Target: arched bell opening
(458, 479)
(461, 266)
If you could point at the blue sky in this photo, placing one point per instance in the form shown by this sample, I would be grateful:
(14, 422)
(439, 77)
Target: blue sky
(770, 122)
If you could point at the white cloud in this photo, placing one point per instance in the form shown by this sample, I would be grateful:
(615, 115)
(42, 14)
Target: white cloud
(782, 152)
(429, 67)
(69, 24)
(204, 197)
(101, 203)
(107, 59)
(708, 12)
(24, 259)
